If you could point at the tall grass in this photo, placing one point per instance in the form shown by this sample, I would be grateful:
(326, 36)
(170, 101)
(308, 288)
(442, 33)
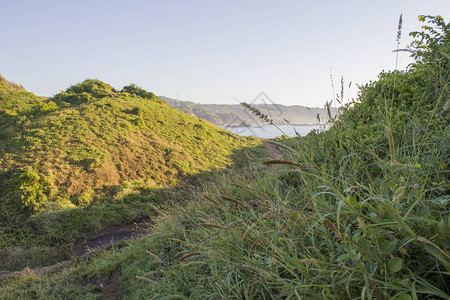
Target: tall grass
(360, 211)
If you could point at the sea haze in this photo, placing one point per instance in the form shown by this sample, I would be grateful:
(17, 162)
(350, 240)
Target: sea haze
(271, 131)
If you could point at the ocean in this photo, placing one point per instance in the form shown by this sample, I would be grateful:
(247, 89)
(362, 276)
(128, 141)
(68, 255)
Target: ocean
(270, 131)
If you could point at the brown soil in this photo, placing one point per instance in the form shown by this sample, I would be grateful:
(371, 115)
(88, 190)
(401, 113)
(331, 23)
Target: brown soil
(274, 152)
(112, 235)
(98, 241)
(110, 290)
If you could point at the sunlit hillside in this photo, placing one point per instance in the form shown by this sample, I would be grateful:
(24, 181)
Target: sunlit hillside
(90, 142)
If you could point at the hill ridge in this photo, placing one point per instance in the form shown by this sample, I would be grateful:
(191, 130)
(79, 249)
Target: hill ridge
(235, 114)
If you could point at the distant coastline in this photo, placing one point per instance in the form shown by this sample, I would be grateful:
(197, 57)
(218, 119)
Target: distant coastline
(236, 115)
(261, 125)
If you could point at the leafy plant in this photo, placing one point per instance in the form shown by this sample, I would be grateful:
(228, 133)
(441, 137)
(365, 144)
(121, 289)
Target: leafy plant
(138, 91)
(25, 192)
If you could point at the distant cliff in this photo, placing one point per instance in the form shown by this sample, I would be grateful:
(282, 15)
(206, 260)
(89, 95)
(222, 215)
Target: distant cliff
(235, 114)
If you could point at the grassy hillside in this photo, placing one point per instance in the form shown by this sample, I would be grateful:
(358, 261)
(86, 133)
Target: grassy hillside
(15, 98)
(65, 156)
(358, 212)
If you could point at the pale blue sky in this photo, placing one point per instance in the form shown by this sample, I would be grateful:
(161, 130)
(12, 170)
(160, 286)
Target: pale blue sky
(207, 51)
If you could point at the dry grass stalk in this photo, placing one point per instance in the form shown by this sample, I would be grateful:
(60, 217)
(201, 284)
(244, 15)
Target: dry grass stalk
(332, 227)
(347, 286)
(154, 256)
(239, 186)
(233, 224)
(399, 36)
(189, 255)
(211, 199)
(328, 108)
(350, 138)
(391, 144)
(260, 115)
(424, 240)
(148, 280)
(158, 210)
(202, 214)
(308, 261)
(257, 113)
(372, 283)
(311, 206)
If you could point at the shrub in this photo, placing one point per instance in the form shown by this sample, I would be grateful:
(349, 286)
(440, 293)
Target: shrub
(86, 91)
(93, 87)
(43, 108)
(84, 198)
(26, 192)
(138, 91)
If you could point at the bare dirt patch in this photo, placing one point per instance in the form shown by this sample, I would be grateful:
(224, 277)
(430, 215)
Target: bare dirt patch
(99, 241)
(274, 152)
(112, 235)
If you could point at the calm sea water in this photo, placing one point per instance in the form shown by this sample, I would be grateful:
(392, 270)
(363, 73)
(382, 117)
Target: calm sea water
(270, 131)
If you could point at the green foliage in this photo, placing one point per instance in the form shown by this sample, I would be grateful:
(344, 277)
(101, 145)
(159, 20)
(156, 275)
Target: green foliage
(84, 92)
(68, 153)
(43, 108)
(432, 45)
(15, 99)
(74, 99)
(360, 211)
(136, 111)
(93, 87)
(25, 192)
(138, 91)
(85, 198)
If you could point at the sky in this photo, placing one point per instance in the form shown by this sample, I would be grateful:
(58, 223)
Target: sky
(208, 51)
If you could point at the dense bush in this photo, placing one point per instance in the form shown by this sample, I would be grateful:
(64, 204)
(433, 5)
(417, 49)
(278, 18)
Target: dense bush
(93, 87)
(86, 91)
(25, 192)
(136, 90)
(43, 108)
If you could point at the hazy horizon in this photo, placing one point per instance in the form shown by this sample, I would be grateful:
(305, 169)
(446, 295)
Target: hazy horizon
(207, 52)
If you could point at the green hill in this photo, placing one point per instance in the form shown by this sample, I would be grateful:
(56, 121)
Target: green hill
(15, 98)
(91, 142)
(360, 211)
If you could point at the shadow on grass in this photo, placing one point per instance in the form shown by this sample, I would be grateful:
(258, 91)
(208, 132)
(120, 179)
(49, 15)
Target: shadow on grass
(65, 234)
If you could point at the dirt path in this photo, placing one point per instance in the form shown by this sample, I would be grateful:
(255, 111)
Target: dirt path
(101, 240)
(274, 152)
(112, 235)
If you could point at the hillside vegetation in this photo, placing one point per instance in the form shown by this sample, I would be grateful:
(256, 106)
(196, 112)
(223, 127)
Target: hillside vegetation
(360, 211)
(15, 99)
(63, 159)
